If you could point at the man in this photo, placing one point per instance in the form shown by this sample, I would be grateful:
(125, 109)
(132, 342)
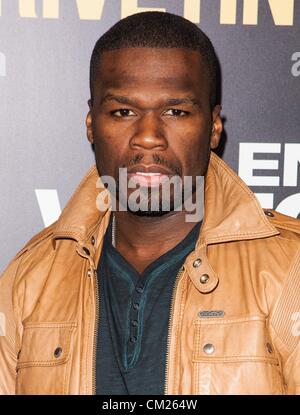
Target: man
(144, 301)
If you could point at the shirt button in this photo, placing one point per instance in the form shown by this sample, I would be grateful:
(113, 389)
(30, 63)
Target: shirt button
(139, 289)
(133, 339)
(136, 306)
(134, 323)
(209, 348)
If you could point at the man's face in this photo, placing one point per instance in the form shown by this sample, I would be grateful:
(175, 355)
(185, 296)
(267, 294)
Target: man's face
(151, 114)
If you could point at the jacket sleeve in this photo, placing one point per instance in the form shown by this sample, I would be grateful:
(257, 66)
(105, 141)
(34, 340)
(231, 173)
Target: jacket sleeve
(285, 324)
(8, 330)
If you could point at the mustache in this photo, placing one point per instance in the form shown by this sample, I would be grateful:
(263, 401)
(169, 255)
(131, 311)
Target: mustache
(157, 159)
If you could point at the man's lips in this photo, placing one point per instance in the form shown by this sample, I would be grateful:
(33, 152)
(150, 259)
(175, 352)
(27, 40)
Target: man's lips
(150, 176)
(151, 168)
(148, 179)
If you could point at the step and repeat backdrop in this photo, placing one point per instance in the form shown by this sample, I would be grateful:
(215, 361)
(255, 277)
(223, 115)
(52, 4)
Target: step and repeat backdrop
(45, 48)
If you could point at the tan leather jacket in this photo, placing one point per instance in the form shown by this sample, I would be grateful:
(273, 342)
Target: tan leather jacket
(234, 325)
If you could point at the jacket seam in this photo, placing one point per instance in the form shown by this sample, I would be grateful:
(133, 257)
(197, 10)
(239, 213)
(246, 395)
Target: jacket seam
(30, 245)
(17, 314)
(49, 325)
(236, 359)
(284, 283)
(236, 320)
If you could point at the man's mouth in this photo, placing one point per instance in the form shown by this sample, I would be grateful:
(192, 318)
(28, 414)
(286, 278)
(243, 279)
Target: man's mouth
(148, 179)
(151, 175)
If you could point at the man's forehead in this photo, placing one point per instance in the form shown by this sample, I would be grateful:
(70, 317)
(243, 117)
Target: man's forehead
(148, 74)
(183, 83)
(149, 51)
(169, 67)
(149, 60)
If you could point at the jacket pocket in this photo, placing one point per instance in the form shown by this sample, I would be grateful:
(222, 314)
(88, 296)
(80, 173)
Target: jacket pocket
(42, 362)
(234, 356)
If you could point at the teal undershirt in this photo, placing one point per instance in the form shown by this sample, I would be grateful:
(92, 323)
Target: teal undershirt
(134, 319)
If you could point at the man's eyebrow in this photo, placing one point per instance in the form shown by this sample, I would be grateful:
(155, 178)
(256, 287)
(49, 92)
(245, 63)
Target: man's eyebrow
(178, 101)
(125, 100)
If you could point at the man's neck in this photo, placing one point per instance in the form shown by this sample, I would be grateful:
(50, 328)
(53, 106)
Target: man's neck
(141, 239)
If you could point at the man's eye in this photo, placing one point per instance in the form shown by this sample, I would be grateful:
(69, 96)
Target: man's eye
(176, 112)
(123, 112)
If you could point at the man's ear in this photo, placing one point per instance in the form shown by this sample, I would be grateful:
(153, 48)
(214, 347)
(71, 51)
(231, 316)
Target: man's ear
(217, 127)
(88, 123)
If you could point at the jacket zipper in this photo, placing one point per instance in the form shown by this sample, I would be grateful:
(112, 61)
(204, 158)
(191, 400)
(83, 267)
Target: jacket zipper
(180, 272)
(95, 332)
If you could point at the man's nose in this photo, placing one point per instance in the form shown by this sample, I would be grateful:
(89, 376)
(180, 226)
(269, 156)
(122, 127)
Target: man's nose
(149, 133)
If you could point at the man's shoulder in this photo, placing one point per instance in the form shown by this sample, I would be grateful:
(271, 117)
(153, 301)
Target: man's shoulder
(41, 238)
(43, 235)
(26, 259)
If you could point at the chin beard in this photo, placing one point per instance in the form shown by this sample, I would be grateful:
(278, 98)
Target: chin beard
(148, 213)
(145, 207)
(158, 207)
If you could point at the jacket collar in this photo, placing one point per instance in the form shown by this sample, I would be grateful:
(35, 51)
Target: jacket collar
(80, 218)
(231, 210)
